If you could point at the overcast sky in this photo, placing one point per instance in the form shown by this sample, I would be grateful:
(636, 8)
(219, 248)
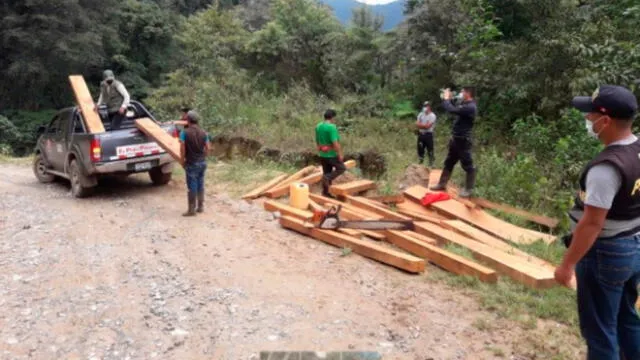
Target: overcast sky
(376, 2)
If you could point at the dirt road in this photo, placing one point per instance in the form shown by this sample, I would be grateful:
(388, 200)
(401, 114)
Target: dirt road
(122, 276)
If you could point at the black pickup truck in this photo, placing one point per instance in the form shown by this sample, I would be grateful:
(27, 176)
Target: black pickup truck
(65, 149)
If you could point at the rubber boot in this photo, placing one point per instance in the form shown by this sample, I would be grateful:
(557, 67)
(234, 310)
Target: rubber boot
(200, 208)
(469, 184)
(442, 184)
(431, 161)
(325, 188)
(192, 204)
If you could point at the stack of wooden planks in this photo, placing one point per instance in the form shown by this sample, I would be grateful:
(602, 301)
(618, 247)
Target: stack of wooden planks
(439, 228)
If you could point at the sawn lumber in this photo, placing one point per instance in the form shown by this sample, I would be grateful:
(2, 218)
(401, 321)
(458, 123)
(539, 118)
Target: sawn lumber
(487, 239)
(387, 199)
(86, 104)
(170, 144)
(538, 219)
(370, 206)
(314, 178)
(257, 192)
(371, 250)
(352, 187)
(481, 219)
(526, 273)
(447, 260)
(271, 205)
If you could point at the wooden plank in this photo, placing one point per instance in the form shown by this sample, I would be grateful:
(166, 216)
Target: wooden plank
(352, 187)
(526, 273)
(482, 220)
(369, 206)
(551, 223)
(86, 104)
(419, 217)
(284, 209)
(375, 235)
(314, 178)
(387, 199)
(419, 209)
(449, 261)
(170, 144)
(371, 250)
(257, 192)
(351, 232)
(347, 209)
(298, 175)
(315, 207)
(476, 234)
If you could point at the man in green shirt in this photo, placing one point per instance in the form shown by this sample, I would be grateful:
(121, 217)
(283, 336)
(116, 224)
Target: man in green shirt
(329, 150)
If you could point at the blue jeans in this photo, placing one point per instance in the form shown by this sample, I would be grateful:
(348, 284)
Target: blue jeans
(195, 176)
(608, 278)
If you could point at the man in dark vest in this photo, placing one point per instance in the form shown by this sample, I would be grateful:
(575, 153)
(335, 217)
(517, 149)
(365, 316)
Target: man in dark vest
(604, 248)
(194, 146)
(114, 94)
(460, 143)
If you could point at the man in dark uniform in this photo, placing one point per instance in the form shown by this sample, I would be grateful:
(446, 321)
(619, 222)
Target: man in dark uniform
(604, 249)
(460, 143)
(194, 146)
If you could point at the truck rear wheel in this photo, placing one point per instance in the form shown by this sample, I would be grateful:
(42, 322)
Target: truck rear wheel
(77, 178)
(40, 170)
(158, 177)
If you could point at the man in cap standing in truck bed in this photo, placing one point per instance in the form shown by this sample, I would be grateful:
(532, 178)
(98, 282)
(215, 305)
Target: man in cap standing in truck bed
(114, 94)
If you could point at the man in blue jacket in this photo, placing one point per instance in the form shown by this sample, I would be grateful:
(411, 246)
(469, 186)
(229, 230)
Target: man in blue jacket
(460, 143)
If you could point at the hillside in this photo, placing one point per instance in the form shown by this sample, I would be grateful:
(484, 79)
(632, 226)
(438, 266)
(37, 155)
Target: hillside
(392, 12)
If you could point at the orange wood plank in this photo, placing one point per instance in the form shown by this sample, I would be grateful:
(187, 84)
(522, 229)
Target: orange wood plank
(298, 175)
(551, 223)
(314, 178)
(370, 206)
(352, 187)
(284, 209)
(419, 217)
(86, 104)
(512, 266)
(257, 192)
(170, 144)
(443, 258)
(485, 238)
(481, 219)
(387, 199)
(347, 209)
(365, 248)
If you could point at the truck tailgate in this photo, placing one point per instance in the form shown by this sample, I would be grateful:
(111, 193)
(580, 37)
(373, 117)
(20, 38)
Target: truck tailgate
(128, 143)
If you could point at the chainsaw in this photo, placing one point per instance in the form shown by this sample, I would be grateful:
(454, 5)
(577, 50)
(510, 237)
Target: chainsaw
(330, 220)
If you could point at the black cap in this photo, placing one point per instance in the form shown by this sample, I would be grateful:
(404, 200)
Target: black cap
(185, 108)
(615, 101)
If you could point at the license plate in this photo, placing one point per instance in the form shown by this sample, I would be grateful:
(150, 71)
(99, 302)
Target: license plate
(142, 166)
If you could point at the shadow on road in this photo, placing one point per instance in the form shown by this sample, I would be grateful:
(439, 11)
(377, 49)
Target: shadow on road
(112, 187)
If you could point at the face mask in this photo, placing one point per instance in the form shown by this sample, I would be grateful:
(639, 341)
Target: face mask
(589, 125)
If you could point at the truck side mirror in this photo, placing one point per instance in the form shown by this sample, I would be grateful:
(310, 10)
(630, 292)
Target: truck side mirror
(41, 130)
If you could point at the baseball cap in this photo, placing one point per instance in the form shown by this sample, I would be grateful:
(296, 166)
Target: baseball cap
(108, 75)
(426, 103)
(613, 100)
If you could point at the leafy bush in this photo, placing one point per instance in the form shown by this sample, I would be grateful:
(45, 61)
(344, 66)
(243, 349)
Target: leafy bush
(18, 129)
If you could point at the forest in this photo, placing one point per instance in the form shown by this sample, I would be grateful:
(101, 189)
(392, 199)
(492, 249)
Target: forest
(267, 69)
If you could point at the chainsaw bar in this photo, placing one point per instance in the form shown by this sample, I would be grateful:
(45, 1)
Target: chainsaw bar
(332, 224)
